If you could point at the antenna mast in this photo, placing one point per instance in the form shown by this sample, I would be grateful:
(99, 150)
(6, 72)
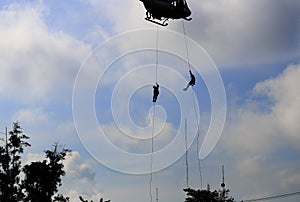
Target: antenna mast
(223, 191)
(223, 178)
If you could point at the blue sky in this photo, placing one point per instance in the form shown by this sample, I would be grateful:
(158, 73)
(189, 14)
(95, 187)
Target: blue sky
(66, 65)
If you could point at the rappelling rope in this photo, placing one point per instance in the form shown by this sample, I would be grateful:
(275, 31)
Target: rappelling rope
(194, 103)
(153, 122)
(198, 137)
(156, 66)
(186, 154)
(186, 47)
(152, 150)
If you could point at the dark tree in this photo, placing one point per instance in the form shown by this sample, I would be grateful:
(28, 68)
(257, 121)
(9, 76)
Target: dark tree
(42, 179)
(61, 198)
(10, 164)
(37, 182)
(200, 195)
(206, 196)
(83, 200)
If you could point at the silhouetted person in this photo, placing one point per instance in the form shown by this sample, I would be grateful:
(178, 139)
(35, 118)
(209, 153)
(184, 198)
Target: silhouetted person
(155, 92)
(192, 81)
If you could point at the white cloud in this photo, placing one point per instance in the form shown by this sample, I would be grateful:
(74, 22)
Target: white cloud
(289, 177)
(233, 32)
(261, 136)
(251, 164)
(31, 116)
(36, 64)
(34, 157)
(254, 130)
(284, 91)
(125, 16)
(77, 169)
(245, 32)
(45, 127)
(80, 179)
(37, 124)
(131, 139)
(39, 65)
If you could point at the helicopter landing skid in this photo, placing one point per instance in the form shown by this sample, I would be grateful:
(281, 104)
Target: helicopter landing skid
(164, 23)
(188, 19)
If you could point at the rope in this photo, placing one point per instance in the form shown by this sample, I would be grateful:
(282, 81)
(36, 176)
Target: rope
(186, 47)
(156, 67)
(199, 162)
(194, 102)
(186, 156)
(198, 137)
(152, 150)
(153, 126)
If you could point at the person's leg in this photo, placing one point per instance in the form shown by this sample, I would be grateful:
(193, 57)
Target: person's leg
(188, 85)
(154, 98)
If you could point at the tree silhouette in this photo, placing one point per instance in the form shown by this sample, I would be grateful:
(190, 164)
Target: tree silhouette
(60, 198)
(37, 182)
(10, 164)
(200, 195)
(83, 200)
(42, 179)
(206, 196)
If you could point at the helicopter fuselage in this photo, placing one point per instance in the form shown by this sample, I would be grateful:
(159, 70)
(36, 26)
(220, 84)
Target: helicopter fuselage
(165, 9)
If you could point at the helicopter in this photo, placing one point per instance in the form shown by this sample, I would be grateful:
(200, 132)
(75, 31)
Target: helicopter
(160, 11)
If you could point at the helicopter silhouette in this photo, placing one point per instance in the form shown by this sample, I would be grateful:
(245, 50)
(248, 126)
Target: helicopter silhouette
(160, 11)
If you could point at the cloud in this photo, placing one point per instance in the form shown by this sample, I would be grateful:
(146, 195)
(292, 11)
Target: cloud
(127, 15)
(80, 179)
(261, 138)
(283, 91)
(45, 127)
(262, 125)
(138, 141)
(251, 165)
(289, 177)
(30, 116)
(34, 157)
(37, 65)
(245, 32)
(77, 169)
(234, 32)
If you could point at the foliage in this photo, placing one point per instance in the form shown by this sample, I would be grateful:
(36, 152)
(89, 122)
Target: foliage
(207, 196)
(42, 179)
(10, 164)
(60, 198)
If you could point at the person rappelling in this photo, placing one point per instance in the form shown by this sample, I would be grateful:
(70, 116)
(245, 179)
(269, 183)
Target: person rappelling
(192, 81)
(155, 92)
